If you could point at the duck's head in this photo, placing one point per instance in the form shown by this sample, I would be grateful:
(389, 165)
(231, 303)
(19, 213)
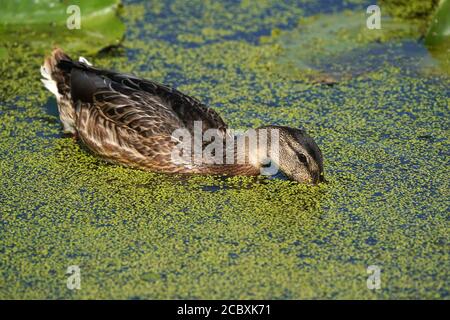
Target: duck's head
(298, 157)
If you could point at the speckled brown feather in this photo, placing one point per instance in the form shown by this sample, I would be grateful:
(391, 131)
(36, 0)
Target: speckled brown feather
(61, 82)
(130, 121)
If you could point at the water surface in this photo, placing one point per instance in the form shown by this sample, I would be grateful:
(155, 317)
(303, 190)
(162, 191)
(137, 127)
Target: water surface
(383, 128)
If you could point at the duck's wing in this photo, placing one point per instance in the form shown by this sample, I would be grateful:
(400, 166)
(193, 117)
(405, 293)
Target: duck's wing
(187, 108)
(148, 107)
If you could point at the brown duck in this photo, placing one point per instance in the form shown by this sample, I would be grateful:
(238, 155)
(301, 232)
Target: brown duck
(130, 121)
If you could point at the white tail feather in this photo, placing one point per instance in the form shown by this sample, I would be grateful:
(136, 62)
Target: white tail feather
(51, 86)
(84, 60)
(48, 82)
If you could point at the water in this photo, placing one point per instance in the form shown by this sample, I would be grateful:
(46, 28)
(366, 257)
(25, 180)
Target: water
(383, 129)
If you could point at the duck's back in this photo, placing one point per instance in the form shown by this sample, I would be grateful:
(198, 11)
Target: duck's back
(124, 96)
(124, 118)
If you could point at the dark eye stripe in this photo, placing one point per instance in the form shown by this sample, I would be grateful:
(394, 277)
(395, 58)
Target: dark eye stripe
(302, 158)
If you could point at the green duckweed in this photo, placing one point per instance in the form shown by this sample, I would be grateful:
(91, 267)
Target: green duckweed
(383, 129)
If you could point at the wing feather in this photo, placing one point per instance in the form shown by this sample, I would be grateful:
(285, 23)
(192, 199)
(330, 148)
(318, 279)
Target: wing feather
(148, 107)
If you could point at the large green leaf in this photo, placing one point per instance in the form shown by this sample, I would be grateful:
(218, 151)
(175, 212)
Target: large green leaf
(439, 32)
(438, 36)
(42, 25)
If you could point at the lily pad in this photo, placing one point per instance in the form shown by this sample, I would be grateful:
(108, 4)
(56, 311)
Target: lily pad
(438, 36)
(323, 38)
(408, 9)
(43, 24)
(439, 31)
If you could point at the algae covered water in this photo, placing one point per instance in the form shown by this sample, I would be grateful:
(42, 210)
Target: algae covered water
(376, 101)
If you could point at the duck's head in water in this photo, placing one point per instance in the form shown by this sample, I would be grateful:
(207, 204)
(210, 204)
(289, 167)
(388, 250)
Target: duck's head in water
(297, 155)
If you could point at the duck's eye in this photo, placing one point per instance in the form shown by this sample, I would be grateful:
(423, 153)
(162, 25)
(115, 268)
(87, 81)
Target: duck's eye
(302, 158)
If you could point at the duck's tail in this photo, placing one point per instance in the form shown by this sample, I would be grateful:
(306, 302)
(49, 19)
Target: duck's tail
(54, 79)
(57, 81)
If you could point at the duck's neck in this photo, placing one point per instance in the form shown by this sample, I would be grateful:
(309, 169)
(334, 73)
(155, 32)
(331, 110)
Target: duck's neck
(240, 156)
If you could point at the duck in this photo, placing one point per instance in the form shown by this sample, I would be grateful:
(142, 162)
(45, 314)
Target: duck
(130, 121)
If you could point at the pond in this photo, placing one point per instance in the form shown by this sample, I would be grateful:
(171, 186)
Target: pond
(376, 101)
